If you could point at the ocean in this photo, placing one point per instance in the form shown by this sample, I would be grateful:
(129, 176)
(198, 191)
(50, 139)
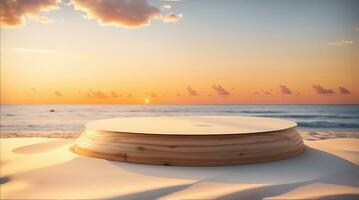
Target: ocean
(18, 118)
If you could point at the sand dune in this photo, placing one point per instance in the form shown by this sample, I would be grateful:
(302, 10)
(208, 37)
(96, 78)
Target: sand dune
(45, 168)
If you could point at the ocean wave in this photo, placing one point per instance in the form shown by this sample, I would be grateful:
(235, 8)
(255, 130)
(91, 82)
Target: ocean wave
(312, 116)
(326, 124)
(260, 111)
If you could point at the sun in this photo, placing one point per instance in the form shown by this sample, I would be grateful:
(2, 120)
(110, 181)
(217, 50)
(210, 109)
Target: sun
(147, 100)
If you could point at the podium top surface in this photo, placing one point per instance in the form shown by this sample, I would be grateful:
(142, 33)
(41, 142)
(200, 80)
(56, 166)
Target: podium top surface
(191, 125)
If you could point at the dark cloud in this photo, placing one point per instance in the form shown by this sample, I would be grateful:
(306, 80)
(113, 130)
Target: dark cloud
(191, 91)
(58, 93)
(220, 90)
(14, 12)
(320, 90)
(343, 90)
(285, 90)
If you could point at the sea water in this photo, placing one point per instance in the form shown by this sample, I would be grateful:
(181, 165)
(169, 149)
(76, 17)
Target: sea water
(73, 117)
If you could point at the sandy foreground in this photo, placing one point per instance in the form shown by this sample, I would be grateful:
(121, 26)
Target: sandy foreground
(45, 168)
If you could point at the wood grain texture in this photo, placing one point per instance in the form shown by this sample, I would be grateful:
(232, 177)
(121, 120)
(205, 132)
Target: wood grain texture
(190, 150)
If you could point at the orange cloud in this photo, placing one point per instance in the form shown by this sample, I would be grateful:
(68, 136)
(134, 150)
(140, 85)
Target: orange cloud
(114, 94)
(153, 95)
(285, 90)
(265, 92)
(320, 90)
(57, 93)
(343, 90)
(96, 94)
(191, 91)
(220, 90)
(13, 13)
(123, 13)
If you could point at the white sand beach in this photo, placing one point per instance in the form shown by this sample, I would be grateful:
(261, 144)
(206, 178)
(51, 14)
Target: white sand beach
(45, 168)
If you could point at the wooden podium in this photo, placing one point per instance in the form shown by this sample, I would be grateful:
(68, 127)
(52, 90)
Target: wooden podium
(191, 140)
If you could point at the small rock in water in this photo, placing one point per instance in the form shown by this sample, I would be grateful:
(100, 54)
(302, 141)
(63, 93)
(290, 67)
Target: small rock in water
(52, 110)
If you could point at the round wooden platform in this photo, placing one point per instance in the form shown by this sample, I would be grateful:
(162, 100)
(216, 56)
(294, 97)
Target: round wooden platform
(191, 141)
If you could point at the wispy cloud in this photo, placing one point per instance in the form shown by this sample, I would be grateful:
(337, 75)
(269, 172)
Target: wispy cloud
(171, 0)
(114, 94)
(57, 93)
(34, 50)
(343, 90)
(13, 13)
(341, 42)
(285, 90)
(96, 94)
(191, 91)
(220, 90)
(152, 95)
(321, 90)
(166, 7)
(265, 92)
(171, 17)
(356, 29)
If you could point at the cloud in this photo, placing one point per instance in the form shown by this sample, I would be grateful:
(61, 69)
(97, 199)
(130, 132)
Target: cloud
(33, 50)
(356, 29)
(320, 90)
(265, 92)
(220, 90)
(57, 93)
(285, 90)
(114, 94)
(343, 90)
(153, 95)
(166, 7)
(341, 42)
(171, 17)
(14, 12)
(191, 91)
(122, 13)
(171, 0)
(96, 94)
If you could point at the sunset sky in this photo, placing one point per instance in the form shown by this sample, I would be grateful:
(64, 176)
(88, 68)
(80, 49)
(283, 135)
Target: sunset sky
(180, 51)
